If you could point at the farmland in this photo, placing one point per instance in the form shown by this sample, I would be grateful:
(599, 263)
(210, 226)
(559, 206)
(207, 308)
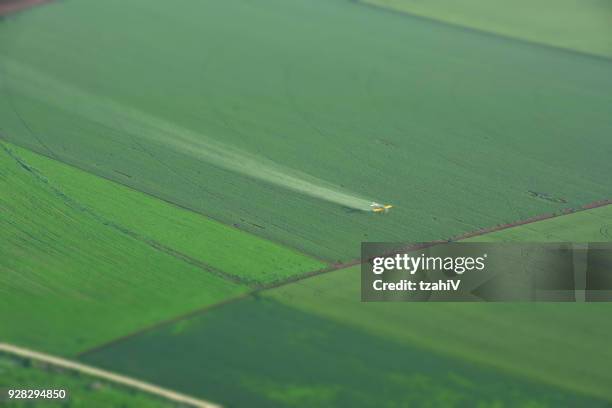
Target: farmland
(594, 225)
(353, 98)
(71, 279)
(76, 246)
(297, 359)
(83, 391)
(183, 184)
(561, 344)
(320, 329)
(583, 26)
(214, 246)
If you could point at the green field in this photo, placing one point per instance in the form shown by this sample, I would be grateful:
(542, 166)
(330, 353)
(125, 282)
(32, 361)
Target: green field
(210, 244)
(316, 344)
(160, 158)
(77, 246)
(561, 344)
(71, 279)
(594, 225)
(260, 353)
(83, 391)
(85, 260)
(584, 25)
(453, 127)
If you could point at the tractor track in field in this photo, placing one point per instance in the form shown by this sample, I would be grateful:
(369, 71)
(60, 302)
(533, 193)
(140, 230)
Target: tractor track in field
(108, 376)
(337, 266)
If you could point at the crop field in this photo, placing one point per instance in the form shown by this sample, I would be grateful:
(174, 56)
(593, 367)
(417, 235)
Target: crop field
(560, 344)
(84, 392)
(327, 104)
(215, 247)
(184, 185)
(216, 355)
(593, 225)
(71, 278)
(494, 354)
(584, 26)
(75, 245)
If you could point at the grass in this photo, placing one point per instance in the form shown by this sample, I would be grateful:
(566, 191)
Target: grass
(82, 391)
(575, 25)
(454, 128)
(559, 344)
(261, 353)
(71, 279)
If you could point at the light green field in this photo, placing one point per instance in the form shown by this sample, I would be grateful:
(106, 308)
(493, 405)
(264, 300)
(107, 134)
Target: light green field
(214, 246)
(560, 344)
(286, 120)
(584, 25)
(83, 391)
(71, 279)
(85, 260)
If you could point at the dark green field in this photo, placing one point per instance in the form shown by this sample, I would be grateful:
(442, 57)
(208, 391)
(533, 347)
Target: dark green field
(453, 127)
(260, 353)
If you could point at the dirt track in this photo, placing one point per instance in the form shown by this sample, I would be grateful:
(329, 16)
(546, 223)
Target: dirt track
(106, 375)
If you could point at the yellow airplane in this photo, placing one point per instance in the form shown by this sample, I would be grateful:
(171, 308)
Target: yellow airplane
(380, 208)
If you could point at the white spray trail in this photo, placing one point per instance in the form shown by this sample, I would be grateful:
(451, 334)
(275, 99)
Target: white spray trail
(25, 80)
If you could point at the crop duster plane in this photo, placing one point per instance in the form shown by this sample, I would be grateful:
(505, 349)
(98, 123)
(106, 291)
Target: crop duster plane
(380, 208)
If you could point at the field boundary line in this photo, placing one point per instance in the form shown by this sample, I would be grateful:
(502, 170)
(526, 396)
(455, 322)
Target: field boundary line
(534, 219)
(166, 322)
(250, 293)
(338, 266)
(482, 31)
(154, 196)
(106, 375)
(158, 246)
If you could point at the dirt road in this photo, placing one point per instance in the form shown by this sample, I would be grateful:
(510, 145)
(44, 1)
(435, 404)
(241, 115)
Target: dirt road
(105, 375)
